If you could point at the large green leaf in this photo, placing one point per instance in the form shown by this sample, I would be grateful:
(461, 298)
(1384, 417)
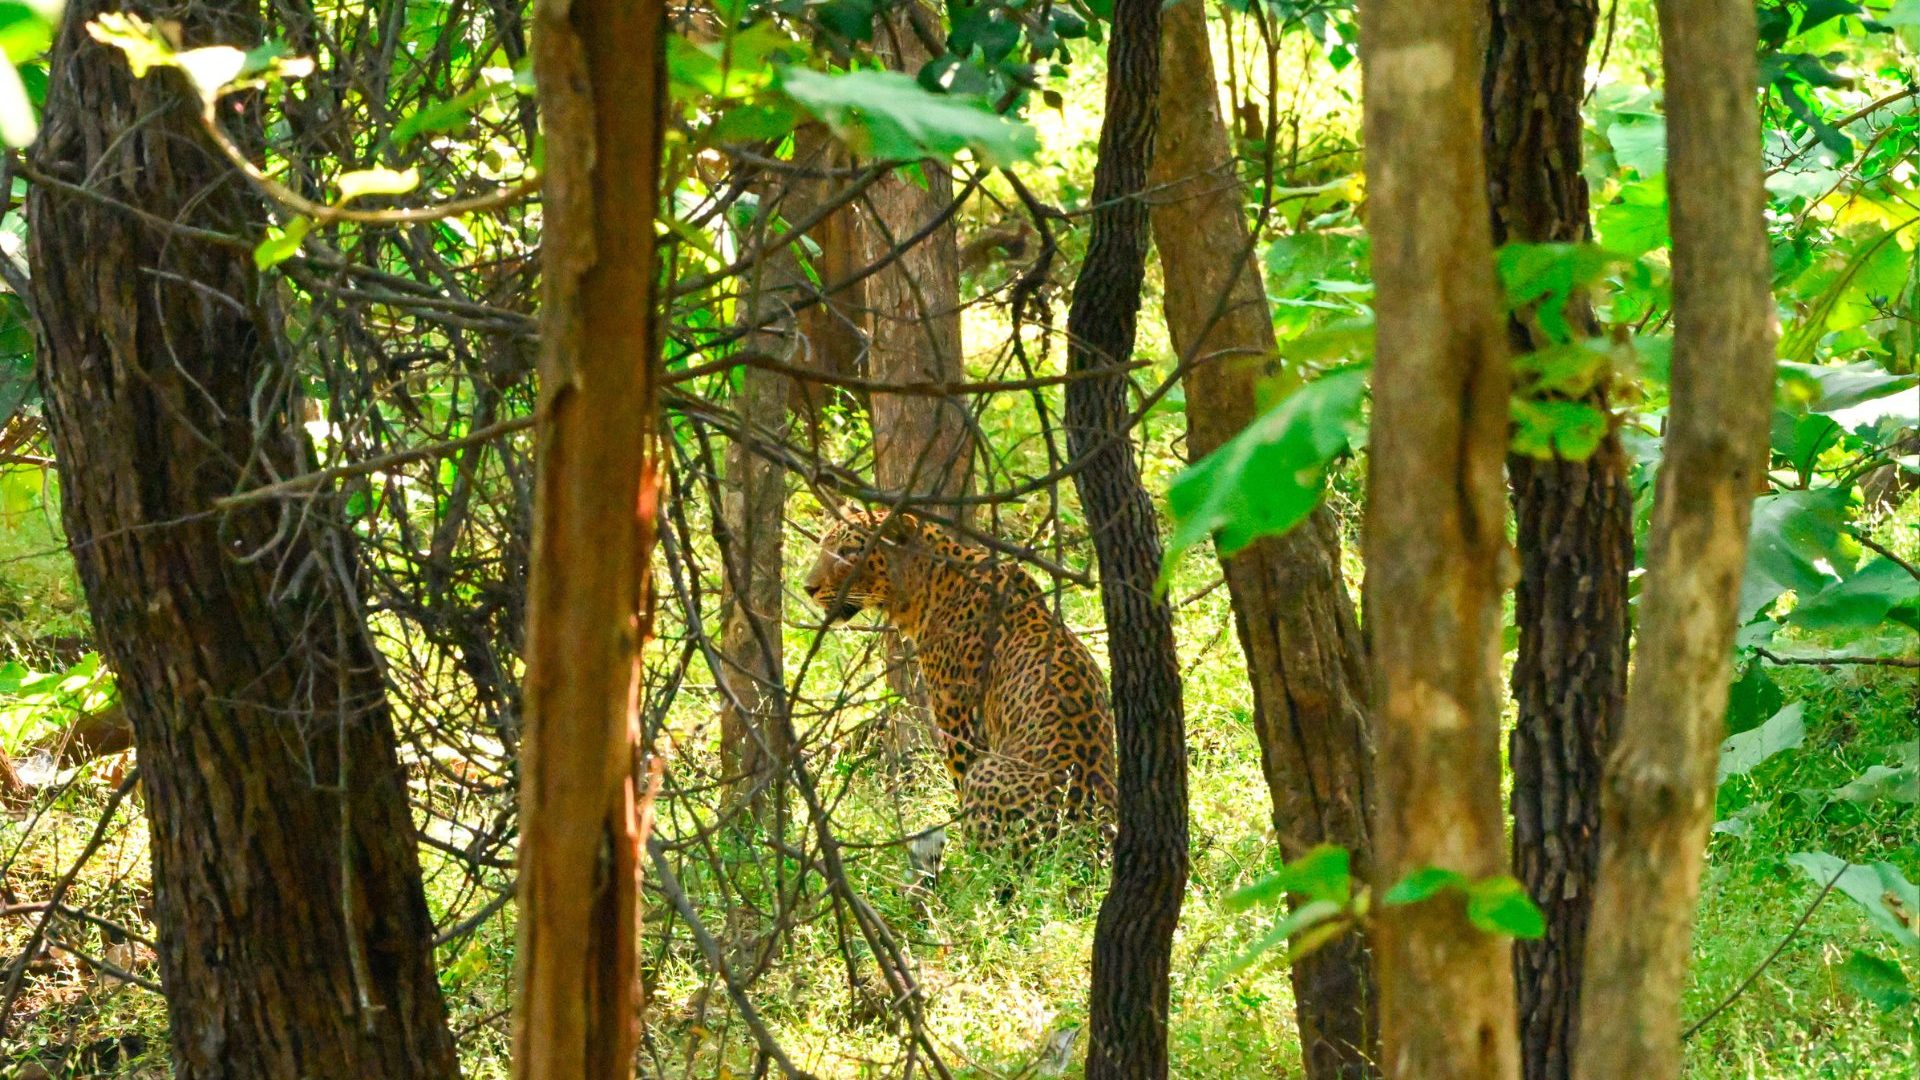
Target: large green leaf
(1888, 898)
(1879, 981)
(1798, 543)
(1862, 600)
(885, 114)
(1637, 222)
(1741, 754)
(1895, 783)
(1500, 905)
(1267, 479)
(1827, 388)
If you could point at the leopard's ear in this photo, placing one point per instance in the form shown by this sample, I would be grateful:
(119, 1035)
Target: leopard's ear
(899, 524)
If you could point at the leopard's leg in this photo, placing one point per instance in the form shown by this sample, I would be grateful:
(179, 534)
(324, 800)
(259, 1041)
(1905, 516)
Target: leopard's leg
(1007, 807)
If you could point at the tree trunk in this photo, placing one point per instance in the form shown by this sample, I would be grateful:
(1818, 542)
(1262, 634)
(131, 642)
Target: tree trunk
(754, 495)
(602, 86)
(1304, 655)
(1575, 530)
(1133, 940)
(1658, 799)
(922, 445)
(294, 936)
(1435, 540)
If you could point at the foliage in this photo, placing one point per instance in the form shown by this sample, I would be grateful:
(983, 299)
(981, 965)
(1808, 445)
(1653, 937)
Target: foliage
(409, 338)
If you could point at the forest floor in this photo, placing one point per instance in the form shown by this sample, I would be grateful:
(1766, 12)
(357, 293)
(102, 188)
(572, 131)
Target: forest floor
(1000, 978)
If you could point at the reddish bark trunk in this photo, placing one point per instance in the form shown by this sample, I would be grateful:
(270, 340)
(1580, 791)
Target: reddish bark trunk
(602, 85)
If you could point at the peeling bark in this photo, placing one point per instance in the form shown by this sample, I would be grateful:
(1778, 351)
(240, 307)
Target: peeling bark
(1657, 805)
(1435, 540)
(602, 96)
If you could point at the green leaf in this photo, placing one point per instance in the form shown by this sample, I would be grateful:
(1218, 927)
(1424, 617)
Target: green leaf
(1570, 430)
(1861, 601)
(1423, 884)
(1546, 275)
(1500, 905)
(1752, 698)
(886, 114)
(1826, 388)
(362, 182)
(449, 115)
(19, 123)
(1741, 754)
(1899, 783)
(1640, 143)
(1321, 874)
(1637, 223)
(1801, 439)
(1889, 899)
(26, 31)
(1799, 542)
(1300, 918)
(281, 244)
(1877, 980)
(1800, 340)
(1267, 479)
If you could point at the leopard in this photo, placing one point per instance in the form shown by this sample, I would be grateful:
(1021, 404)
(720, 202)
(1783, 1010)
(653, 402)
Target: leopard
(1022, 711)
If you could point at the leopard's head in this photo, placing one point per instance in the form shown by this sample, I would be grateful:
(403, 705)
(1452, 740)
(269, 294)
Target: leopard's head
(851, 575)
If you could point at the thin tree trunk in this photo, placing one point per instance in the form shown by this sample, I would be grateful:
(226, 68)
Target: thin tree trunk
(754, 499)
(602, 94)
(835, 330)
(295, 939)
(1133, 940)
(1575, 531)
(1658, 800)
(1305, 658)
(1435, 539)
(922, 445)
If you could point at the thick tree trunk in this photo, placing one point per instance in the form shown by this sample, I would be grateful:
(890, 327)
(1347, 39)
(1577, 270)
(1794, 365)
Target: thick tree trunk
(1305, 658)
(1435, 540)
(1658, 800)
(1133, 940)
(294, 937)
(1575, 531)
(602, 85)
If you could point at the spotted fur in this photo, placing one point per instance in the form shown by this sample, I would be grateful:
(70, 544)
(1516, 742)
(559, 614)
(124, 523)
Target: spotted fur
(1022, 709)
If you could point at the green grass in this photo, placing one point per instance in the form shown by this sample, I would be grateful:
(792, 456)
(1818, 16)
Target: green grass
(999, 977)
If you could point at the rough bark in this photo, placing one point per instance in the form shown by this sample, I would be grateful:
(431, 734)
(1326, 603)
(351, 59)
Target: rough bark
(1658, 800)
(1435, 539)
(294, 937)
(752, 517)
(1305, 658)
(1133, 939)
(602, 95)
(922, 445)
(1575, 534)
